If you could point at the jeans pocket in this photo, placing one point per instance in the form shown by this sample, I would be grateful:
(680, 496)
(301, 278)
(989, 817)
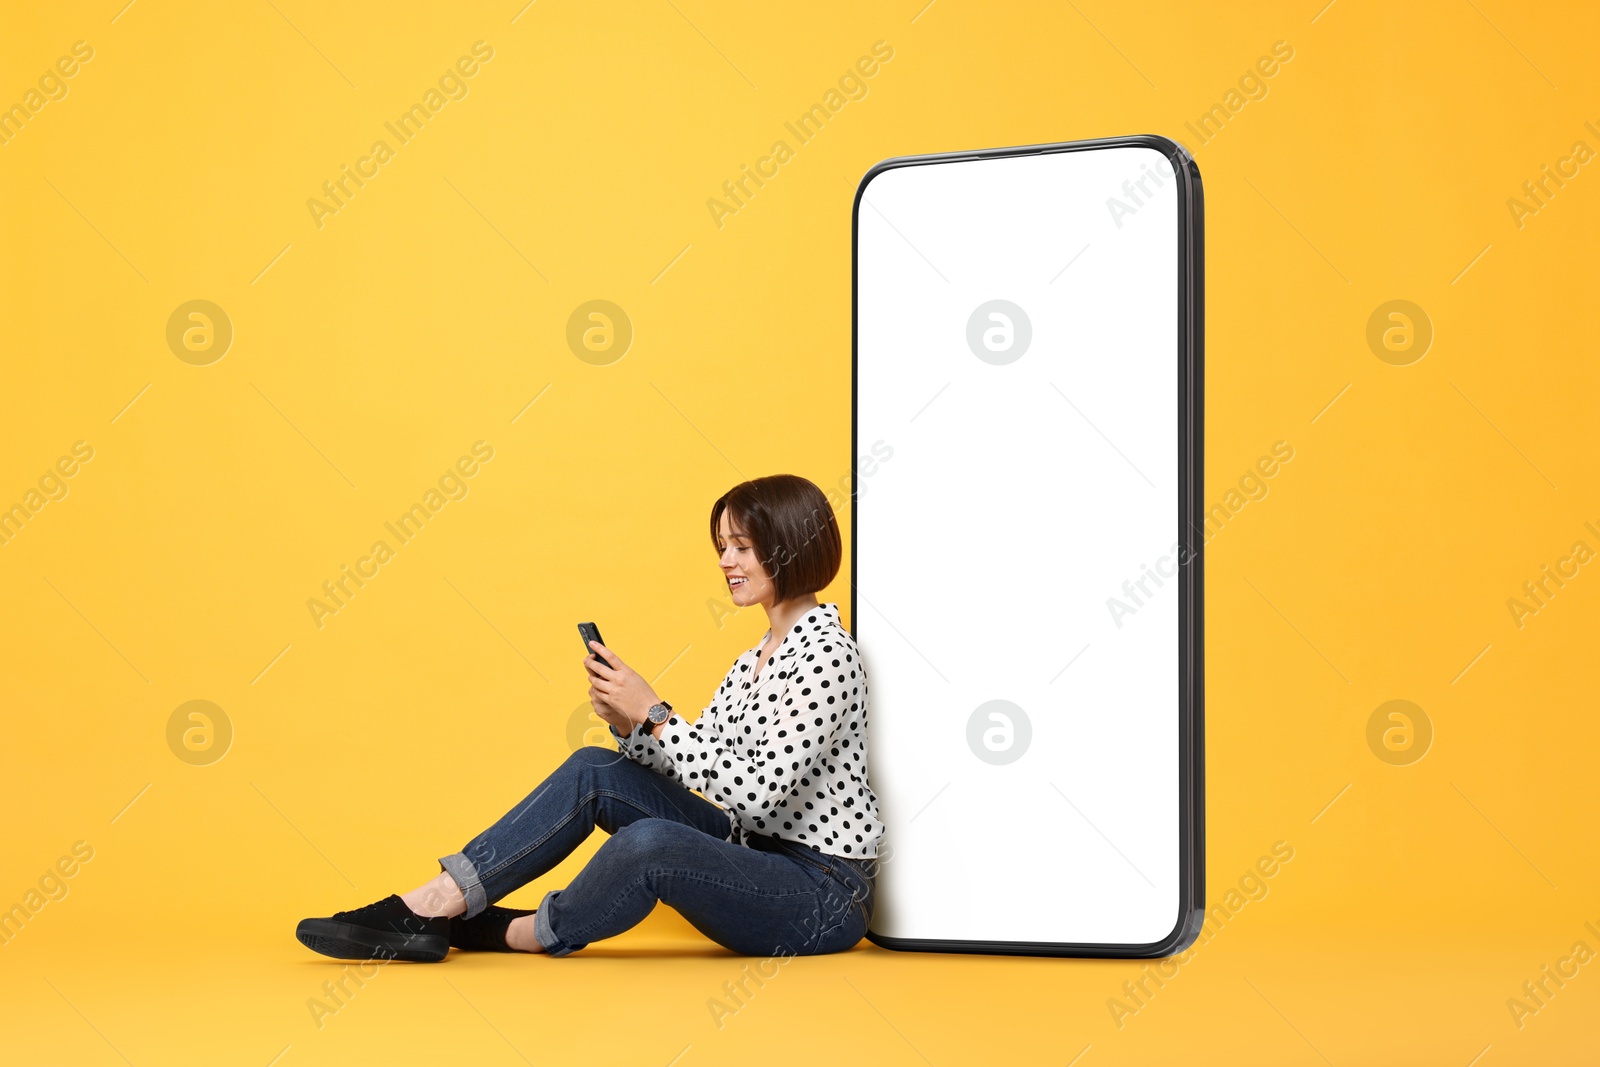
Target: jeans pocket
(844, 872)
(807, 855)
(842, 916)
(863, 889)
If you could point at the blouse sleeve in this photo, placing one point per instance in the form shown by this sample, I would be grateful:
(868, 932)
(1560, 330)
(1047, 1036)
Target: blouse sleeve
(817, 701)
(641, 746)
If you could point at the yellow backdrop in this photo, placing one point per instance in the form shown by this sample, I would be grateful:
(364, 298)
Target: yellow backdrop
(286, 280)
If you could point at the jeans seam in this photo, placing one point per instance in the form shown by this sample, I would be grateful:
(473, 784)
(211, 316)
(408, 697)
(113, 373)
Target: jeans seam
(858, 897)
(858, 906)
(861, 906)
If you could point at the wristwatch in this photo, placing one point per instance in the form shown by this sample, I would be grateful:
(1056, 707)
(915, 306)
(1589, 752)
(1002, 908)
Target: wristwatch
(659, 714)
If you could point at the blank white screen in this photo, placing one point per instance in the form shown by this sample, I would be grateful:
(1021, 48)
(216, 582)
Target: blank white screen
(1017, 500)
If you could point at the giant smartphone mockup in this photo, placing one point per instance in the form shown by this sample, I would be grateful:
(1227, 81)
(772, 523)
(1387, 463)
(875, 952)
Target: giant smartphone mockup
(1026, 576)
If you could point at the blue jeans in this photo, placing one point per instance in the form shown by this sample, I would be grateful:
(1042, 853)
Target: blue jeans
(771, 897)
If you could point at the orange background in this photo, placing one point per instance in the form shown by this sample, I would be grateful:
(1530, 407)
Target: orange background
(431, 310)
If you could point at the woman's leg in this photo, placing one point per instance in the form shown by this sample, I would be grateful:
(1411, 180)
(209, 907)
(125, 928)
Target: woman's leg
(593, 787)
(755, 901)
(667, 844)
(440, 896)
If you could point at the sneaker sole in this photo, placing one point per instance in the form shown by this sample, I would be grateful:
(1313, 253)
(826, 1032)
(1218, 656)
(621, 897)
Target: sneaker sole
(347, 941)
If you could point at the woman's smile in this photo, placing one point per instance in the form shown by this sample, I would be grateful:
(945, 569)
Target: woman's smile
(736, 548)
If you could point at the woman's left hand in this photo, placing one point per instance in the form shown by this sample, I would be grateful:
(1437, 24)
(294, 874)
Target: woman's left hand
(619, 685)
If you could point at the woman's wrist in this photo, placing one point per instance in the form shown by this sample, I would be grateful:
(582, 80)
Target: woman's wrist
(644, 713)
(653, 728)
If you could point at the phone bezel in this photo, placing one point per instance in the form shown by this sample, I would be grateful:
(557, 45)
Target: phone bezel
(1191, 519)
(586, 639)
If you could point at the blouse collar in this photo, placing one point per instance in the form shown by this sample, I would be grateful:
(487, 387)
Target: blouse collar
(816, 619)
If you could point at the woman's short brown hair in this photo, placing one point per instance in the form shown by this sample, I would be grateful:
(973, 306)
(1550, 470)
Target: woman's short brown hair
(792, 528)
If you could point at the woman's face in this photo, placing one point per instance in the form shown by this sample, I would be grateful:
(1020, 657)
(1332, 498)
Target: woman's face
(747, 580)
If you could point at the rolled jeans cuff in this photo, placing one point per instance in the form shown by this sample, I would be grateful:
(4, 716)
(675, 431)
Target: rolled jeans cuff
(461, 869)
(552, 945)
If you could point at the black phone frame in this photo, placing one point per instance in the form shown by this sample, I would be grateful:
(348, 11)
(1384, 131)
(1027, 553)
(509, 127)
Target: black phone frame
(596, 628)
(1191, 520)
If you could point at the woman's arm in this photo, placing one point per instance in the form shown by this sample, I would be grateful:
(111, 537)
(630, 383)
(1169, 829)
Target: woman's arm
(643, 744)
(649, 756)
(801, 727)
(623, 698)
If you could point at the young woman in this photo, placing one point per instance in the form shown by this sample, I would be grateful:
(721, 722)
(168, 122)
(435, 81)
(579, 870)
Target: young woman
(778, 854)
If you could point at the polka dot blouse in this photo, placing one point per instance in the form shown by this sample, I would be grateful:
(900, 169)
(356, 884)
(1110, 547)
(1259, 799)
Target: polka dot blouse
(784, 753)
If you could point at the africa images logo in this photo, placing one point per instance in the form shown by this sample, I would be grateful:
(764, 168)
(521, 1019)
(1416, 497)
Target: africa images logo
(999, 332)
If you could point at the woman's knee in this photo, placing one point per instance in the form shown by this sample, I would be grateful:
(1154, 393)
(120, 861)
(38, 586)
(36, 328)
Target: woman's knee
(594, 760)
(644, 840)
(662, 857)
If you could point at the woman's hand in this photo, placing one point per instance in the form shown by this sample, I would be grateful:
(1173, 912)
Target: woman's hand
(605, 712)
(620, 695)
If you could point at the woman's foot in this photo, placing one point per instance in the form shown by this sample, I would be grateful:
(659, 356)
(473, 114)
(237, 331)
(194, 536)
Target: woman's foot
(495, 929)
(385, 930)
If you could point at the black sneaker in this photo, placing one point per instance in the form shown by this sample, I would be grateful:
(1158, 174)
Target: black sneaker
(387, 930)
(486, 931)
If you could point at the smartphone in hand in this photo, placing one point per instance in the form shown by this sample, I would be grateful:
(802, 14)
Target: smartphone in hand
(590, 632)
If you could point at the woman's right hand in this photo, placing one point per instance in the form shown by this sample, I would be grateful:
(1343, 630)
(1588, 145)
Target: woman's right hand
(605, 711)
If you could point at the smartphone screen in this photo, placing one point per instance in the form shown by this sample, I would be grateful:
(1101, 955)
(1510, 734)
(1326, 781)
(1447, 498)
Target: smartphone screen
(1025, 564)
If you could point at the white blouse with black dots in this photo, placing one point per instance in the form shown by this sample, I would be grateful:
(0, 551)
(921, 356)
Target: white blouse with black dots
(786, 753)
